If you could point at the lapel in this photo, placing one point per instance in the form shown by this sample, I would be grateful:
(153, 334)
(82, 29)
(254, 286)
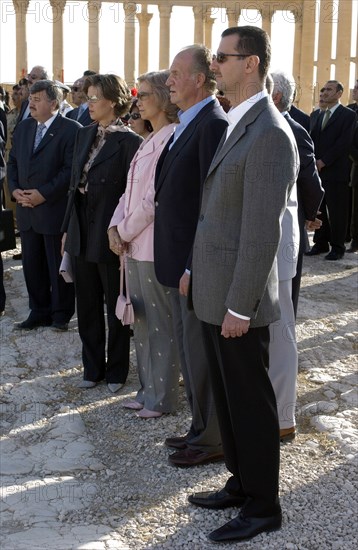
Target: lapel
(86, 136)
(238, 132)
(50, 134)
(180, 143)
(109, 149)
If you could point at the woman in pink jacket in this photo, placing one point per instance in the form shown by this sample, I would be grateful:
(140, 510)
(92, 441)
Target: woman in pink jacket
(131, 231)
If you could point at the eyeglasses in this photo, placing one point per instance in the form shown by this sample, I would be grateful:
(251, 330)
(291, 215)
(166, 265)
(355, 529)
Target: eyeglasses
(75, 89)
(143, 95)
(220, 57)
(93, 99)
(135, 116)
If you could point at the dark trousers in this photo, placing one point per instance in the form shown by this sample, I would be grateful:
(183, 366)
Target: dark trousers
(96, 282)
(247, 413)
(334, 216)
(296, 283)
(2, 288)
(49, 296)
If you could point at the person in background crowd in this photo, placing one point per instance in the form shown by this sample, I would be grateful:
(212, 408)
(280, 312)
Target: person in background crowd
(80, 112)
(354, 177)
(102, 156)
(2, 176)
(135, 121)
(65, 107)
(332, 134)
(131, 229)
(37, 73)
(39, 172)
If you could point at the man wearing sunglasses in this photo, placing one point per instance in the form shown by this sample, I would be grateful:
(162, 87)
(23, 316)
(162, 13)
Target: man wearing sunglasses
(235, 281)
(80, 112)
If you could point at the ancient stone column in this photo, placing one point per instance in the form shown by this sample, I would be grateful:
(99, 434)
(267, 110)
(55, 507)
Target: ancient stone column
(325, 41)
(266, 13)
(21, 41)
(208, 27)
(344, 38)
(144, 18)
(164, 33)
(129, 44)
(198, 24)
(297, 15)
(304, 77)
(94, 15)
(58, 7)
(232, 16)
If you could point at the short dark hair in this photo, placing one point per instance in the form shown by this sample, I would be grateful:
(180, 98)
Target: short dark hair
(16, 87)
(157, 80)
(202, 58)
(338, 84)
(53, 91)
(89, 73)
(254, 41)
(23, 82)
(114, 88)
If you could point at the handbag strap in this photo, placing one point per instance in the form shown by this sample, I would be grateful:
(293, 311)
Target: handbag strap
(124, 277)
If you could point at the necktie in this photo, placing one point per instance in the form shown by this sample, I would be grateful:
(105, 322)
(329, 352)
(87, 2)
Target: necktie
(80, 111)
(39, 132)
(327, 114)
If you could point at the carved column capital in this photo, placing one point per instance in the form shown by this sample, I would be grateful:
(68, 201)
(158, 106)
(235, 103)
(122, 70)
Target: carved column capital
(21, 5)
(144, 18)
(165, 11)
(58, 5)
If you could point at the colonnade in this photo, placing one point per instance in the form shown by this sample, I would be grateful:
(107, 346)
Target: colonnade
(307, 20)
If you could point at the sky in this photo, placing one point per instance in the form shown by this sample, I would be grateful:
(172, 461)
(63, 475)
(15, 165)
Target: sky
(111, 29)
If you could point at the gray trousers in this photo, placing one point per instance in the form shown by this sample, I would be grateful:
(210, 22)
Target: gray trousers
(156, 350)
(204, 433)
(283, 362)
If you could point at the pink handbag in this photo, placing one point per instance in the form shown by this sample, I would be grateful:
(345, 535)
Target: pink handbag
(124, 307)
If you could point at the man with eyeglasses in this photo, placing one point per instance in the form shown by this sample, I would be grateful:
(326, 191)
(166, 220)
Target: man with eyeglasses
(80, 112)
(332, 135)
(37, 73)
(235, 281)
(181, 170)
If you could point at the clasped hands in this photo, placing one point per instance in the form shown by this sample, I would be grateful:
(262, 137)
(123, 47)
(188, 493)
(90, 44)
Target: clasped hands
(116, 244)
(28, 198)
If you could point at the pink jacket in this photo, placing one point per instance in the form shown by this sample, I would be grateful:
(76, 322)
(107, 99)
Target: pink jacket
(134, 215)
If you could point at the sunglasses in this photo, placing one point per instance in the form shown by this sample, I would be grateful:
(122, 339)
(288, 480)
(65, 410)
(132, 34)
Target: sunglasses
(221, 57)
(135, 116)
(93, 99)
(75, 88)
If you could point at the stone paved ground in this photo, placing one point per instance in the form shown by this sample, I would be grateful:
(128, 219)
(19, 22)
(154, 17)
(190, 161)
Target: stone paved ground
(80, 472)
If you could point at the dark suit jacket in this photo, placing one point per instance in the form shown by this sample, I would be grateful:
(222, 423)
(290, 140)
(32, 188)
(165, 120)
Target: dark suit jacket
(107, 180)
(332, 144)
(48, 169)
(3, 121)
(84, 119)
(179, 178)
(309, 189)
(301, 117)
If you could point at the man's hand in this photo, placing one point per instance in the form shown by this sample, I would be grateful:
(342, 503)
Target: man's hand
(313, 225)
(320, 164)
(116, 244)
(30, 198)
(233, 327)
(184, 284)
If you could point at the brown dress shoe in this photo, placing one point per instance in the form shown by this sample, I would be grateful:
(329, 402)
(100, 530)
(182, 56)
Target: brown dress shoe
(287, 434)
(179, 442)
(191, 457)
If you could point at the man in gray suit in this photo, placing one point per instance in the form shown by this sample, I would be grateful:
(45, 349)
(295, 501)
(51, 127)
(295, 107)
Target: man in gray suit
(235, 281)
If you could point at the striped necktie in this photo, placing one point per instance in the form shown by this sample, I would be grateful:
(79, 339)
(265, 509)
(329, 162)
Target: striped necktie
(39, 132)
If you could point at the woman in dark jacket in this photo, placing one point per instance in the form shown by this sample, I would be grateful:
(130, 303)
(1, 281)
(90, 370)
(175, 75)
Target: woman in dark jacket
(103, 152)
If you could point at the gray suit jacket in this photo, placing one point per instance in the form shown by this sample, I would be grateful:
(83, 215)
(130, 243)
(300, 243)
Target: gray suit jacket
(239, 229)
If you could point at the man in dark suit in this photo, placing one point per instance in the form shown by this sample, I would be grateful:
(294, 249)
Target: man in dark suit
(300, 116)
(332, 135)
(37, 73)
(39, 171)
(235, 282)
(81, 112)
(181, 170)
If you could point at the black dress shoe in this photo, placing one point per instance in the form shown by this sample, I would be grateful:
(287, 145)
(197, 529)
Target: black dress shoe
(332, 256)
(315, 250)
(216, 500)
(31, 324)
(59, 327)
(243, 528)
(193, 457)
(179, 442)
